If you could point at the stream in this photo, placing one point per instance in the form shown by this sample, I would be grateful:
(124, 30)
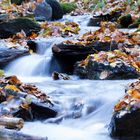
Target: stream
(86, 105)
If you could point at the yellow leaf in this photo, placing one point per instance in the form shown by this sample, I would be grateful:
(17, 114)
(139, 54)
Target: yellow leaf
(12, 87)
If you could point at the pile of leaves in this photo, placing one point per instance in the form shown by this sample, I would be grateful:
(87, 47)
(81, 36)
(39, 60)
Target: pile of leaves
(131, 100)
(107, 33)
(14, 11)
(59, 29)
(123, 6)
(113, 58)
(111, 7)
(20, 95)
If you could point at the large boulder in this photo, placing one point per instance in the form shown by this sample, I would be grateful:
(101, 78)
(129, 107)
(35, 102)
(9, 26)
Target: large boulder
(108, 66)
(125, 121)
(99, 71)
(43, 11)
(57, 12)
(10, 28)
(68, 54)
(7, 55)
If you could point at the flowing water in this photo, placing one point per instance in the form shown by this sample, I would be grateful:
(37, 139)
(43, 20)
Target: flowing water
(85, 105)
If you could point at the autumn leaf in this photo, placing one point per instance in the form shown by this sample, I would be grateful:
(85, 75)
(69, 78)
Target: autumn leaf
(12, 87)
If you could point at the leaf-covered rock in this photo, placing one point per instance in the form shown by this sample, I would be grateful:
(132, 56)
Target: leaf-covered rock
(10, 28)
(125, 120)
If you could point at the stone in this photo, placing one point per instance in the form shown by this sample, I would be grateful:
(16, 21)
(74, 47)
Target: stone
(125, 20)
(57, 12)
(127, 125)
(6, 134)
(4, 17)
(68, 54)
(125, 122)
(32, 45)
(58, 76)
(99, 71)
(10, 28)
(96, 20)
(7, 55)
(17, 2)
(43, 11)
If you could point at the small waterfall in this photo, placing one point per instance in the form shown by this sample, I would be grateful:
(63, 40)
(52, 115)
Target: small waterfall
(35, 64)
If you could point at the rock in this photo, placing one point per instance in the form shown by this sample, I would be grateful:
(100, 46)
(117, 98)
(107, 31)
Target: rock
(134, 25)
(4, 17)
(10, 28)
(58, 76)
(57, 12)
(127, 125)
(37, 111)
(125, 121)
(6, 134)
(125, 20)
(95, 70)
(68, 54)
(7, 55)
(17, 2)
(96, 20)
(32, 45)
(107, 66)
(43, 11)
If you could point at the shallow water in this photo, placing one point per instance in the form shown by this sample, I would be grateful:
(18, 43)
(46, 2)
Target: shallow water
(86, 106)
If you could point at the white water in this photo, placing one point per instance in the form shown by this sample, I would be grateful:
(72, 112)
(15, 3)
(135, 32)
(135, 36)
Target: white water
(91, 100)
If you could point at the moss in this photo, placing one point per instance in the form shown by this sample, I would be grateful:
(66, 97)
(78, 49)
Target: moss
(68, 7)
(1, 73)
(18, 2)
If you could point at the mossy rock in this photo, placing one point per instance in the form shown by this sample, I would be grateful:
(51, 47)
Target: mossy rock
(68, 7)
(134, 25)
(126, 20)
(57, 12)
(10, 28)
(17, 2)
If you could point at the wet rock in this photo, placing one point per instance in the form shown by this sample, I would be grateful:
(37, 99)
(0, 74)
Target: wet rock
(125, 121)
(17, 2)
(7, 134)
(7, 55)
(68, 54)
(14, 26)
(37, 111)
(43, 11)
(32, 45)
(98, 71)
(4, 17)
(108, 66)
(134, 25)
(96, 20)
(24, 101)
(58, 76)
(127, 125)
(57, 12)
(125, 20)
